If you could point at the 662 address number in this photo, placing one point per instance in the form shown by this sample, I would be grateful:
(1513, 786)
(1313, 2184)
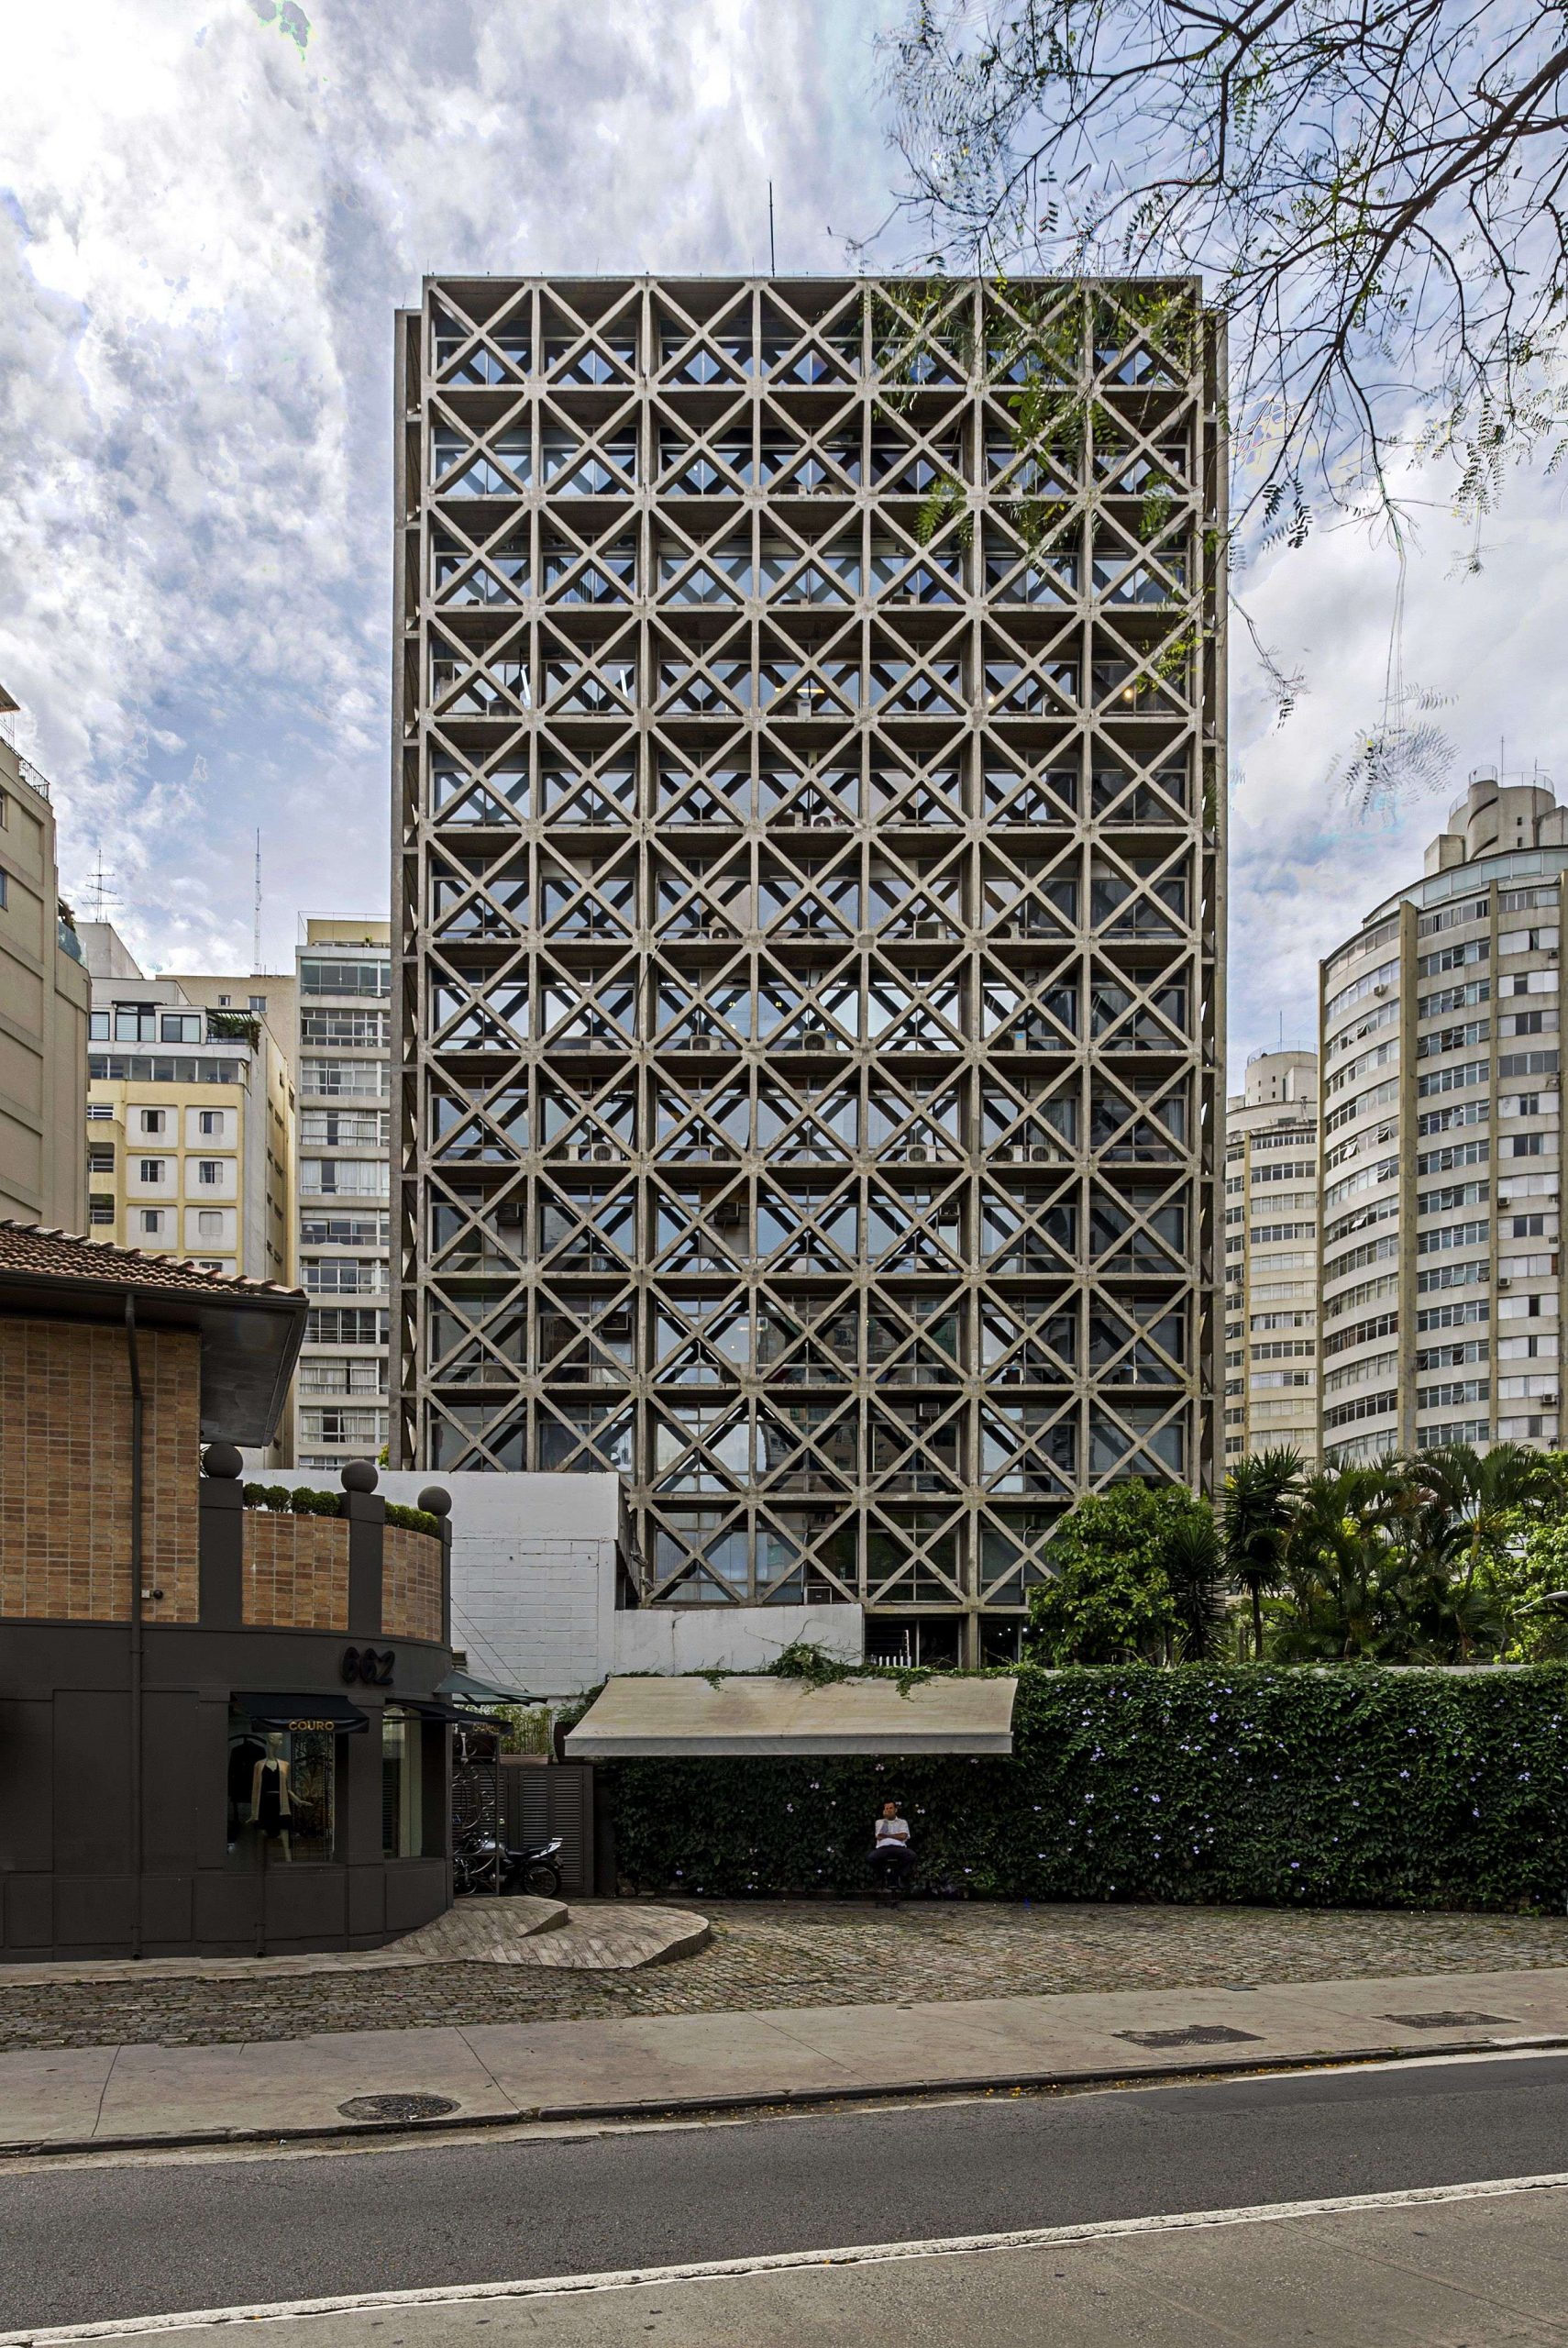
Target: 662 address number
(368, 1666)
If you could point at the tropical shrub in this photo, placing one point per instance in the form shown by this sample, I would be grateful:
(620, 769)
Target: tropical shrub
(1353, 1786)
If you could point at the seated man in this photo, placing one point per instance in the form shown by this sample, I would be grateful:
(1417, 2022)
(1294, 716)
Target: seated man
(891, 1857)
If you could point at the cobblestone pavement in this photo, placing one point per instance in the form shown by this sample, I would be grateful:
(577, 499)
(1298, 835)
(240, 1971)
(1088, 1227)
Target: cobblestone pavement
(767, 1954)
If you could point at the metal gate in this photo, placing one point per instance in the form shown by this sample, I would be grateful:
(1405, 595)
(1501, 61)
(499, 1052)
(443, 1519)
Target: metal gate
(541, 1799)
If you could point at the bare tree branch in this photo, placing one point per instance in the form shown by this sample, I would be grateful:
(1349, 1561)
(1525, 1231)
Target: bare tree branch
(1372, 192)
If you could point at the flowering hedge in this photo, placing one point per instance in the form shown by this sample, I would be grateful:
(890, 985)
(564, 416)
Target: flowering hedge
(1359, 1787)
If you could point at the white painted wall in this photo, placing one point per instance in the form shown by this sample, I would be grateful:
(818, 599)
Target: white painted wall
(534, 1589)
(731, 1638)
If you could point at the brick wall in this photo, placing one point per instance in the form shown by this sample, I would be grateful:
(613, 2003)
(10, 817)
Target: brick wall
(411, 1585)
(65, 1471)
(296, 1571)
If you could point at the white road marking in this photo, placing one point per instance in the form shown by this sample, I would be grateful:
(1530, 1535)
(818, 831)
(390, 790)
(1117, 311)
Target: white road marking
(863, 2255)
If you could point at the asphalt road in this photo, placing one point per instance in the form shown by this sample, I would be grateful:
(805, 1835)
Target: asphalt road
(94, 2242)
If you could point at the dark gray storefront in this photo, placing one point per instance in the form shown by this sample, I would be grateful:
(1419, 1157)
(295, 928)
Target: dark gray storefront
(368, 1765)
(220, 1729)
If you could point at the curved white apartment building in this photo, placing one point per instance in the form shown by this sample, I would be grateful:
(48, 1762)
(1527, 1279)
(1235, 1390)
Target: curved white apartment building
(1442, 1107)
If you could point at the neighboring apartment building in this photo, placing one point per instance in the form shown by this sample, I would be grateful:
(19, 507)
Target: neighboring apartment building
(1271, 1257)
(188, 1120)
(43, 1010)
(1442, 1042)
(807, 899)
(342, 1063)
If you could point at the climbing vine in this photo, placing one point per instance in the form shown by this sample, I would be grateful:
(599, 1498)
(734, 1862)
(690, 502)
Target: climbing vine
(1357, 1787)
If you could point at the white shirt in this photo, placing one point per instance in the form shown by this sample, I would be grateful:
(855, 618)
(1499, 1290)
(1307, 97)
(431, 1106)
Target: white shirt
(892, 1830)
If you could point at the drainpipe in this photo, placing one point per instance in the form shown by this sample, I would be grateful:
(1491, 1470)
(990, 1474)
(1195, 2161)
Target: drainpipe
(135, 1649)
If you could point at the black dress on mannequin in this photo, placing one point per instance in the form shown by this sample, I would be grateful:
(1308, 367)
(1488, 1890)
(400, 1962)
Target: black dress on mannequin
(271, 1799)
(243, 1756)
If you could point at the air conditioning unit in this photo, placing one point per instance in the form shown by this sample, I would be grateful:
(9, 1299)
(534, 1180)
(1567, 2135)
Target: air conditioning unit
(1382, 989)
(1504, 1283)
(1041, 1153)
(601, 1153)
(916, 1156)
(930, 929)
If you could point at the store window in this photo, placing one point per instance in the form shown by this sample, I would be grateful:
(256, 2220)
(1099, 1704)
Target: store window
(282, 1792)
(402, 1831)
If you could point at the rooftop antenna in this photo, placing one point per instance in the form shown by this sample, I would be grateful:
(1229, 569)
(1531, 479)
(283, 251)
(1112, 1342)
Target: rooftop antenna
(256, 922)
(772, 254)
(101, 888)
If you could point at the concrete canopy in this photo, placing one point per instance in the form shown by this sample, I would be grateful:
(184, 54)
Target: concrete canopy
(763, 1718)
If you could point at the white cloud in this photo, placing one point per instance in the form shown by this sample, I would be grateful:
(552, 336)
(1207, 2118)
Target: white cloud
(204, 235)
(1305, 866)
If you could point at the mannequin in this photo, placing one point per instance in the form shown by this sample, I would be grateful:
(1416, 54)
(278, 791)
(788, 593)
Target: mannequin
(271, 1807)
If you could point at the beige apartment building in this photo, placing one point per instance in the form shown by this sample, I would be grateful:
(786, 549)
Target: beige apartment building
(189, 1118)
(342, 993)
(1271, 1257)
(1441, 1044)
(43, 1010)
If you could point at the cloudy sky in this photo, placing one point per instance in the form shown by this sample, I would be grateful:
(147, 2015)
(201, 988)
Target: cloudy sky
(209, 210)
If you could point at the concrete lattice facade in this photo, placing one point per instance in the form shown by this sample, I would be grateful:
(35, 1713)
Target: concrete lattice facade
(1441, 1034)
(807, 879)
(1271, 1257)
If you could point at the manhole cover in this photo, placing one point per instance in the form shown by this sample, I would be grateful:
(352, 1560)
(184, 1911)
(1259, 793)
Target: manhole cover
(396, 2106)
(1447, 2020)
(1196, 2033)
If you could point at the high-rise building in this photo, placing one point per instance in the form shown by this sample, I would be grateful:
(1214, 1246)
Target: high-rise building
(43, 1010)
(807, 910)
(1441, 1025)
(190, 1120)
(1271, 1257)
(343, 973)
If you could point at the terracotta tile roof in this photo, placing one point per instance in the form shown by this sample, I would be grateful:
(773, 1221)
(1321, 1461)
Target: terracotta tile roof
(61, 1255)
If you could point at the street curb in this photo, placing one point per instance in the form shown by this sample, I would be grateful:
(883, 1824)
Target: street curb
(460, 2123)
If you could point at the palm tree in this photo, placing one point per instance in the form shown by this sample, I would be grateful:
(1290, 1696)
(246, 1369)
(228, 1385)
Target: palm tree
(1341, 1567)
(1483, 1495)
(1257, 1507)
(1191, 1562)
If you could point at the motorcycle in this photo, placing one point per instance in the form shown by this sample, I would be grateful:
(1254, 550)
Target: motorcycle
(483, 1863)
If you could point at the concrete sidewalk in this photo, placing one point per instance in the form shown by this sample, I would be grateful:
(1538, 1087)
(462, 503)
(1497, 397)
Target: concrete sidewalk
(82, 2098)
